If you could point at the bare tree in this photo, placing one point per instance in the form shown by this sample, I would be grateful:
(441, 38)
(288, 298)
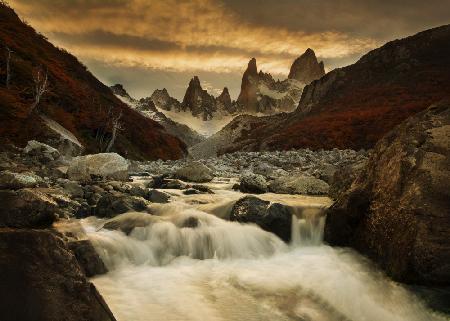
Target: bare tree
(40, 85)
(8, 65)
(116, 126)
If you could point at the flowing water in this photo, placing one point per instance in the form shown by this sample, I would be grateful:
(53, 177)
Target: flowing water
(187, 263)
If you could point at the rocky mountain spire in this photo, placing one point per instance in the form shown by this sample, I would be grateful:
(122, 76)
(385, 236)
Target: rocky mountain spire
(247, 97)
(306, 68)
(162, 99)
(224, 101)
(198, 101)
(119, 90)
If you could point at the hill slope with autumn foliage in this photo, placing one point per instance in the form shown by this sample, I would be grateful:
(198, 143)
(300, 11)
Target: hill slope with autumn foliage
(74, 98)
(354, 106)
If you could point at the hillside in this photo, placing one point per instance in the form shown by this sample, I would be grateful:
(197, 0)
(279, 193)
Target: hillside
(354, 106)
(75, 99)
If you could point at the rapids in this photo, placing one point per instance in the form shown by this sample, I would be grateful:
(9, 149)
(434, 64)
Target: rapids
(186, 262)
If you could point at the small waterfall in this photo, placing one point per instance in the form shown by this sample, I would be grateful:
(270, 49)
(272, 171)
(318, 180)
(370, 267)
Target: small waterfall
(307, 226)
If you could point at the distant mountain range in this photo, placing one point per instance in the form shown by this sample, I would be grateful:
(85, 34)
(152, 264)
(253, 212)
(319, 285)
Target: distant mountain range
(350, 107)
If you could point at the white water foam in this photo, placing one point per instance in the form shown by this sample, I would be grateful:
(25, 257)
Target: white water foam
(191, 265)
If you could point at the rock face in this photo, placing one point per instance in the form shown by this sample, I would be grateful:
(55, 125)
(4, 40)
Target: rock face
(260, 93)
(195, 172)
(88, 259)
(119, 90)
(306, 68)
(198, 101)
(397, 210)
(275, 218)
(42, 281)
(105, 165)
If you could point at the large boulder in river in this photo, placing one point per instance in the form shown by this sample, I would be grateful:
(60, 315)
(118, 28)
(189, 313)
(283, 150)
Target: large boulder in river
(275, 218)
(397, 211)
(253, 183)
(26, 208)
(305, 185)
(104, 166)
(110, 205)
(88, 259)
(195, 172)
(42, 281)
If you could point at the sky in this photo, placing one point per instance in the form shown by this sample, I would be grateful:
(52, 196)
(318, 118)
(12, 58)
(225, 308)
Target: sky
(150, 44)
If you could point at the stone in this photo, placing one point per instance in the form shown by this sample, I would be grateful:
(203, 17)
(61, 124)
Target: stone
(138, 191)
(42, 281)
(88, 259)
(195, 172)
(253, 183)
(397, 210)
(104, 166)
(191, 191)
(203, 189)
(74, 189)
(156, 196)
(41, 151)
(299, 184)
(26, 208)
(275, 218)
(110, 205)
(11, 180)
(344, 177)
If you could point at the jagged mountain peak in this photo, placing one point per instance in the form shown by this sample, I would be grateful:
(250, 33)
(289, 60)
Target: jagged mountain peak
(119, 90)
(306, 68)
(252, 68)
(198, 101)
(162, 99)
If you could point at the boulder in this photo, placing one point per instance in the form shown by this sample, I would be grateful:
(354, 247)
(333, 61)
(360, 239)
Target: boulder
(275, 218)
(104, 166)
(73, 188)
(195, 172)
(26, 208)
(300, 184)
(88, 259)
(253, 183)
(397, 210)
(11, 180)
(202, 189)
(110, 205)
(41, 151)
(344, 177)
(156, 196)
(41, 280)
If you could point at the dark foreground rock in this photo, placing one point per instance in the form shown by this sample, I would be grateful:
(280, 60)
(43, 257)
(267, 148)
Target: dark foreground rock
(42, 281)
(275, 218)
(26, 208)
(87, 257)
(398, 210)
(114, 204)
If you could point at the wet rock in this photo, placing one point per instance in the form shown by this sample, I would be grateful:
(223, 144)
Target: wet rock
(156, 196)
(275, 218)
(138, 191)
(195, 172)
(203, 189)
(41, 152)
(305, 185)
(42, 281)
(102, 166)
(253, 183)
(191, 191)
(397, 210)
(190, 222)
(26, 208)
(128, 221)
(11, 180)
(88, 259)
(111, 205)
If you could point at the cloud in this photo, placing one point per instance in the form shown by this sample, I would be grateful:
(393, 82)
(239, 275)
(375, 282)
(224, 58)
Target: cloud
(205, 34)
